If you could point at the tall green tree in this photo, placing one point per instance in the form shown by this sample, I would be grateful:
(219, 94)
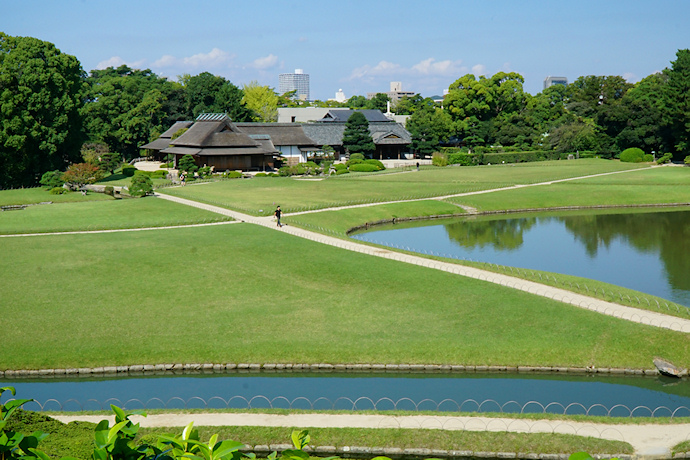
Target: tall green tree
(208, 93)
(262, 101)
(676, 104)
(356, 137)
(428, 126)
(41, 92)
(379, 102)
(129, 107)
(644, 127)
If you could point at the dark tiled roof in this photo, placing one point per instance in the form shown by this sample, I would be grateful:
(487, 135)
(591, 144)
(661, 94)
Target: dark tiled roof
(381, 133)
(281, 133)
(341, 116)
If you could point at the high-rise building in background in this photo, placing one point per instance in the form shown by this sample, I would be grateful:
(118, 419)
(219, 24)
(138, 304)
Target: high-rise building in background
(395, 94)
(298, 82)
(550, 81)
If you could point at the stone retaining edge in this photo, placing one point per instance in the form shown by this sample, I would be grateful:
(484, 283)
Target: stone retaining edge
(418, 453)
(230, 368)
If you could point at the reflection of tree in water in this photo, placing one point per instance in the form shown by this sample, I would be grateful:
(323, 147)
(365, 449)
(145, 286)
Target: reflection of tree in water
(503, 234)
(665, 232)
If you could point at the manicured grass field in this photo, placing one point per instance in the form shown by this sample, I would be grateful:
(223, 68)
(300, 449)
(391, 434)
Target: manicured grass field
(41, 195)
(340, 221)
(259, 196)
(240, 293)
(99, 215)
(647, 186)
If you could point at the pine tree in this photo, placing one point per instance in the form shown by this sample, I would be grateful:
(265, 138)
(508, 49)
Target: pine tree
(356, 137)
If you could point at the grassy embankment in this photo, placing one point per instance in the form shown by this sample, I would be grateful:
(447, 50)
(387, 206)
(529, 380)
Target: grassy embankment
(76, 439)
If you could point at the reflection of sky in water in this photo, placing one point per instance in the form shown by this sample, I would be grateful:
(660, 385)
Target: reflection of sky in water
(502, 390)
(547, 246)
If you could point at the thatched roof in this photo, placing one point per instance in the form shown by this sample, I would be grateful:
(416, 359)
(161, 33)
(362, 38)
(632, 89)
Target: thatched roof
(164, 140)
(218, 136)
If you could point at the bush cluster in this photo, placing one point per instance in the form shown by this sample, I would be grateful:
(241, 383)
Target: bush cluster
(232, 175)
(128, 170)
(632, 155)
(300, 169)
(363, 167)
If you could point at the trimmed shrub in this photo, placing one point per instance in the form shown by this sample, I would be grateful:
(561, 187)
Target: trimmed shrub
(260, 175)
(128, 170)
(139, 172)
(109, 190)
(376, 163)
(159, 174)
(664, 159)
(273, 174)
(340, 166)
(439, 159)
(648, 158)
(512, 157)
(354, 161)
(357, 156)
(632, 155)
(141, 185)
(205, 172)
(52, 179)
(58, 191)
(232, 174)
(687, 160)
(363, 167)
(462, 159)
(341, 171)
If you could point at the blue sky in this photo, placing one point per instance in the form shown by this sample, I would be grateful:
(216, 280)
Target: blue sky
(361, 46)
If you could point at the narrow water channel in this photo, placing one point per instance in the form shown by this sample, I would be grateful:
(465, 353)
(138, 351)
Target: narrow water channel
(509, 393)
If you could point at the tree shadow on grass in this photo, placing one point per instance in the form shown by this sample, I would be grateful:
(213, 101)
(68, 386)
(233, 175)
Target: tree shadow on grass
(113, 178)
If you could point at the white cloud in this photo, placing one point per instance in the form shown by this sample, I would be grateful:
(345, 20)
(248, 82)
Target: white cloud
(383, 68)
(117, 61)
(479, 69)
(441, 68)
(214, 59)
(630, 77)
(265, 63)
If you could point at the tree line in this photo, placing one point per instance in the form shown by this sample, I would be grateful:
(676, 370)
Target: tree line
(50, 107)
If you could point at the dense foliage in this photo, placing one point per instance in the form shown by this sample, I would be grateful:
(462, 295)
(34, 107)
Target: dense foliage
(40, 100)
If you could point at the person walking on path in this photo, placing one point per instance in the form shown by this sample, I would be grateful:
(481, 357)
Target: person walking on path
(277, 214)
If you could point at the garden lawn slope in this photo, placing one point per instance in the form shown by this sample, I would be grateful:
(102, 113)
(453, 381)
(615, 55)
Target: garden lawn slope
(98, 215)
(241, 293)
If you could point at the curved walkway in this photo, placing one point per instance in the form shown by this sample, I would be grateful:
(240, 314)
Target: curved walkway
(600, 306)
(654, 441)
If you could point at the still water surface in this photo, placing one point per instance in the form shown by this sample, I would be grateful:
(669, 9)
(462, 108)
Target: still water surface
(614, 395)
(641, 250)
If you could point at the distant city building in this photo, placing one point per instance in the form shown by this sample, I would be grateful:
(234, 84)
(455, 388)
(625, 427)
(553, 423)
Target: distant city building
(395, 94)
(340, 96)
(550, 81)
(298, 82)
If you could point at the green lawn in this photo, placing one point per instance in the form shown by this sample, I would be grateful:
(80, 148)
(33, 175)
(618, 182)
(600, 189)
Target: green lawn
(98, 215)
(647, 186)
(41, 195)
(340, 221)
(260, 196)
(240, 293)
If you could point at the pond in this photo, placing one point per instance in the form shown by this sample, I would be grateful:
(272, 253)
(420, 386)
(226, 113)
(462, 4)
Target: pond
(648, 251)
(621, 396)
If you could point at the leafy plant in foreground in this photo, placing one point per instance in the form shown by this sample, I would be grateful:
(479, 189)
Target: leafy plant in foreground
(15, 445)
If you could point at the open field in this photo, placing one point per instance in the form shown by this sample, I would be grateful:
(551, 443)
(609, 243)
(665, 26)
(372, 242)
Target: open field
(99, 215)
(260, 196)
(239, 293)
